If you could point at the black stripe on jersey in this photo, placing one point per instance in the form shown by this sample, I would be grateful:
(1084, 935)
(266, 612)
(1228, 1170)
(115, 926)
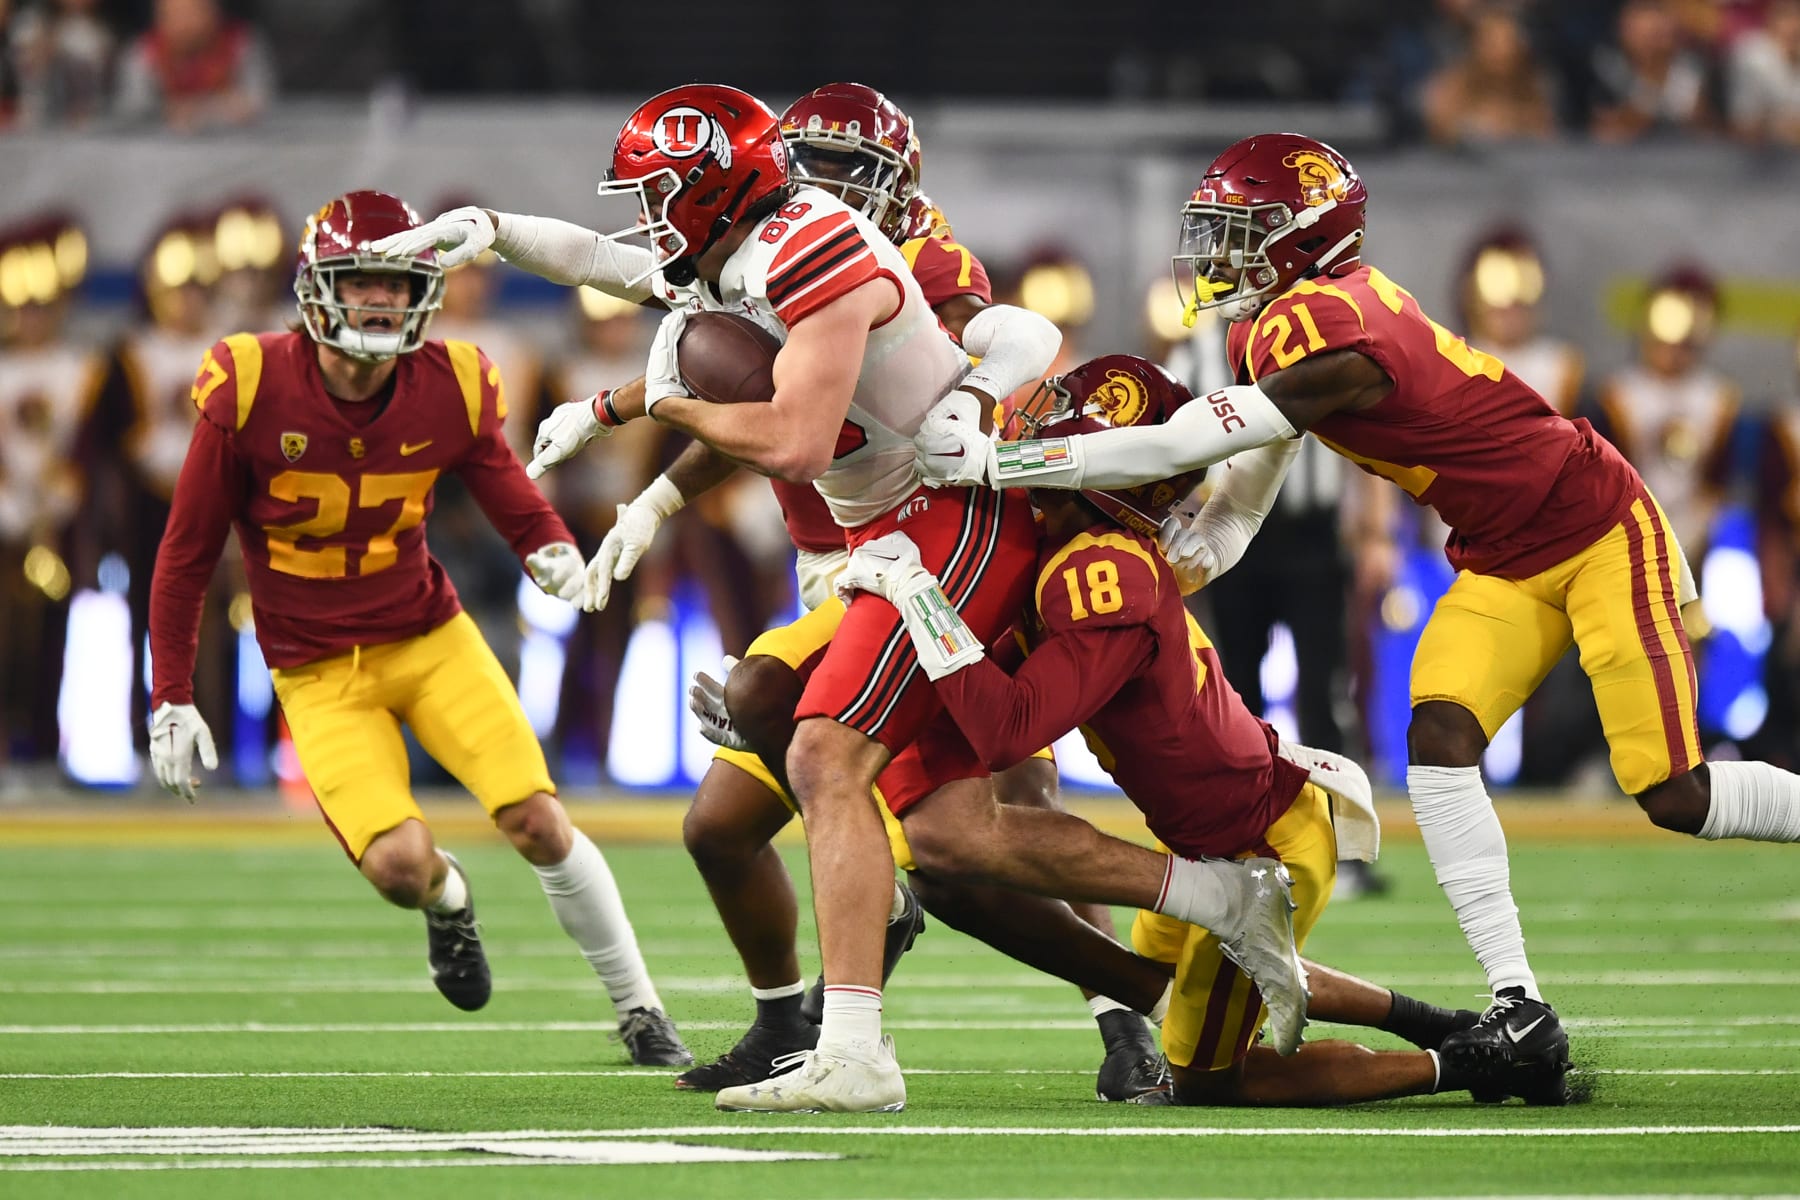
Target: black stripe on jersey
(832, 254)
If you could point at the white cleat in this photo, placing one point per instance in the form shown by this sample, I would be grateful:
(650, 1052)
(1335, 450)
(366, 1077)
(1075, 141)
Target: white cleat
(1264, 950)
(825, 1082)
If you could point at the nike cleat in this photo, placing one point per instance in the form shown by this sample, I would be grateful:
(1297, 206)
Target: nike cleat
(818, 1082)
(459, 966)
(752, 1060)
(1519, 1049)
(1264, 950)
(651, 1039)
(902, 931)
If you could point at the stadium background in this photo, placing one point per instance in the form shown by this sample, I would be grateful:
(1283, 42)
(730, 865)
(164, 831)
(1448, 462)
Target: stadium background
(1061, 149)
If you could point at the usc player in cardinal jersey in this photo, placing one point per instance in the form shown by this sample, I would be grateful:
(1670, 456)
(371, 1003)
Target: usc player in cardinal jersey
(1555, 538)
(1111, 649)
(322, 448)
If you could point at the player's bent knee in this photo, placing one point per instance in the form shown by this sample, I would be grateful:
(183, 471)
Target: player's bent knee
(1680, 804)
(826, 755)
(760, 695)
(401, 865)
(1443, 734)
(538, 828)
(1030, 784)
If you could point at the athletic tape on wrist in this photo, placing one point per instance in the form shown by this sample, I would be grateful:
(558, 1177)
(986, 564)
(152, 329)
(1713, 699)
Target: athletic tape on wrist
(1026, 460)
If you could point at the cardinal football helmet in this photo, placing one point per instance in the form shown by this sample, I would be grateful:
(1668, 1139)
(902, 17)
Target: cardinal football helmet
(699, 159)
(854, 142)
(923, 219)
(1272, 210)
(335, 242)
(1111, 392)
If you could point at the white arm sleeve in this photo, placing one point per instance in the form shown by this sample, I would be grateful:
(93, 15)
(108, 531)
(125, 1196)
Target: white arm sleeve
(1234, 512)
(1206, 430)
(570, 255)
(1015, 345)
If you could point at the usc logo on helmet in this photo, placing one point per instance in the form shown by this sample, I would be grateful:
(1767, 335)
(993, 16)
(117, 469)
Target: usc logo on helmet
(1120, 397)
(1320, 179)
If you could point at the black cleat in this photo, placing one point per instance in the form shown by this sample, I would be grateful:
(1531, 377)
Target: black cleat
(902, 931)
(1133, 1065)
(459, 966)
(651, 1039)
(752, 1060)
(1517, 1049)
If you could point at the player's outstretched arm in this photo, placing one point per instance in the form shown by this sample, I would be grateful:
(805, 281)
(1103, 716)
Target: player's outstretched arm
(795, 436)
(1213, 543)
(207, 494)
(559, 251)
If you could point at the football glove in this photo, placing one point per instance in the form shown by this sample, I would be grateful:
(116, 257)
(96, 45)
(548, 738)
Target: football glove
(459, 236)
(950, 447)
(566, 430)
(706, 700)
(557, 569)
(662, 374)
(888, 566)
(628, 539)
(176, 730)
(1193, 557)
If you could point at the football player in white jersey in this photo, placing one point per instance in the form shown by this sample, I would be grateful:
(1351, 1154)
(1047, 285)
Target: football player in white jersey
(863, 361)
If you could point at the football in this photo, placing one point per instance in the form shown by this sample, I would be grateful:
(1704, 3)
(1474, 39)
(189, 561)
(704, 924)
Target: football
(727, 359)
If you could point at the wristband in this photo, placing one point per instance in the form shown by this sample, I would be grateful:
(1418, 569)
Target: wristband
(604, 412)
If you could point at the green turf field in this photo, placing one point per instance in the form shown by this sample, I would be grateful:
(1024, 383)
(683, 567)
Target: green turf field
(253, 1022)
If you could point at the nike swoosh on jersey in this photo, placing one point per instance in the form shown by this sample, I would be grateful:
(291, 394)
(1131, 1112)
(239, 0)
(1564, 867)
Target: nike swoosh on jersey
(1518, 1035)
(408, 448)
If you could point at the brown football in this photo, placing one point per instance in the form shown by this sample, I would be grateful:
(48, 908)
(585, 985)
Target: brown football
(727, 359)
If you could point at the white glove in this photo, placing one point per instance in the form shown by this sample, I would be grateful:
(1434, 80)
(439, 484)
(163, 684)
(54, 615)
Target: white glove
(888, 566)
(662, 374)
(950, 447)
(706, 700)
(627, 540)
(567, 429)
(1188, 551)
(459, 236)
(175, 731)
(557, 569)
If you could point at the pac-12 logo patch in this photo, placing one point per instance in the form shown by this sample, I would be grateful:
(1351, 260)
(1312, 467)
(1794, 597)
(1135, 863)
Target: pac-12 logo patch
(685, 131)
(293, 445)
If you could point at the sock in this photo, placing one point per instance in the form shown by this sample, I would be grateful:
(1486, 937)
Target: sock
(1753, 800)
(852, 1020)
(1424, 1025)
(1200, 893)
(455, 896)
(897, 909)
(1101, 1005)
(779, 1008)
(1160, 1010)
(1468, 851)
(586, 902)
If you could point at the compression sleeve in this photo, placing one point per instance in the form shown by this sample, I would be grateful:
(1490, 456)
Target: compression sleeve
(568, 254)
(1015, 345)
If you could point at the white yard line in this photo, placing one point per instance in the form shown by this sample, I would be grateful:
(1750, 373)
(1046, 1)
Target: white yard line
(654, 1073)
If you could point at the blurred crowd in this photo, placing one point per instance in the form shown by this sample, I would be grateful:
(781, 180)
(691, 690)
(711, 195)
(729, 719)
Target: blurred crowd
(1454, 72)
(95, 417)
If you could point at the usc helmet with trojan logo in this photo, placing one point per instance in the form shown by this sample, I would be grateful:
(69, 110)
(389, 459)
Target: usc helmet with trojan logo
(699, 159)
(1113, 391)
(1270, 211)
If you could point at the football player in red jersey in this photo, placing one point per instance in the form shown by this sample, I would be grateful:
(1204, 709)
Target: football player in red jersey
(1113, 650)
(1555, 537)
(322, 448)
(863, 359)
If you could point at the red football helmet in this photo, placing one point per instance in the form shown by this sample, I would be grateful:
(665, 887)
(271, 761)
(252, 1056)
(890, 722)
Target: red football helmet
(1272, 210)
(699, 159)
(1110, 392)
(854, 142)
(923, 219)
(336, 242)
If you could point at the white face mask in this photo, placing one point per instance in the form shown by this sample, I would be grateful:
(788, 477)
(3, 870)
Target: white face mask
(327, 318)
